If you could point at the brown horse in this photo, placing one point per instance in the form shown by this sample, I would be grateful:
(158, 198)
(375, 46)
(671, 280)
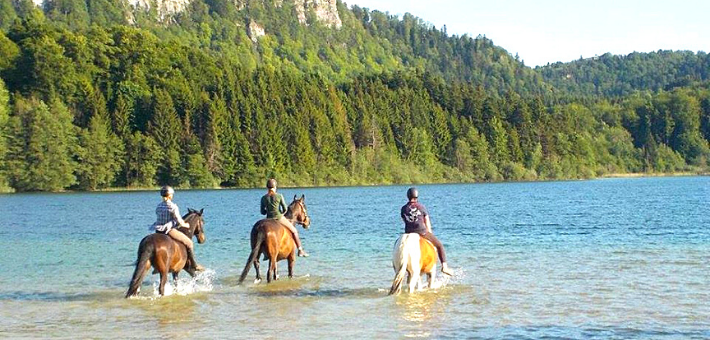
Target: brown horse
(272, 239)
(165, 254)
(413, 255)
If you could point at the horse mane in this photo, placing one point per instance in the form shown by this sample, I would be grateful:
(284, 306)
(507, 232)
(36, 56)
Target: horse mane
(289, 210)
(191, 215)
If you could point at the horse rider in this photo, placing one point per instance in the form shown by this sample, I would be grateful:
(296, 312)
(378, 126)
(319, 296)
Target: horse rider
(167, 222)
(273, 206)
(416, 220)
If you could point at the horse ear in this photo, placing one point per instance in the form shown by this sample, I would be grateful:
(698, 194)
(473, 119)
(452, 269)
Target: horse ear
(190, 210)
(201, 211)
(303, 197)
(294, 197)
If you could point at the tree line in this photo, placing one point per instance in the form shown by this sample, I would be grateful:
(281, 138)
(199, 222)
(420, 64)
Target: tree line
(117, 106)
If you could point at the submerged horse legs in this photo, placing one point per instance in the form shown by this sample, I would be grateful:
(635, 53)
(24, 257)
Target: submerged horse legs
(271, 273)
(431, 276)
(415, 279)
(256, 267)
(291, 261)
(175, 279)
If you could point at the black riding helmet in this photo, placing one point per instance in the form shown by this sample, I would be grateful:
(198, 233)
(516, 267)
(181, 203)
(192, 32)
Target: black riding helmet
(412, 193)
(166, 190)
(271, 183)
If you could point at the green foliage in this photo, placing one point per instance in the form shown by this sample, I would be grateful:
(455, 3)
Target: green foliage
(197, 173)
(612, 75)
(8, 52)
(143, 157)
(193, 102)
(42, 146)
(4, 129)
(100, 154)
(166, 130)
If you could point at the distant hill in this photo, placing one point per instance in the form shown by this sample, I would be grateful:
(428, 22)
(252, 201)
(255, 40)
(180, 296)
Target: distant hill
(309, 35)
(613, 75)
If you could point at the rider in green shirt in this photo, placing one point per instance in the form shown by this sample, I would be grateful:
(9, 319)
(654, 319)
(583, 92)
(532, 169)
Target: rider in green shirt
(273, 206)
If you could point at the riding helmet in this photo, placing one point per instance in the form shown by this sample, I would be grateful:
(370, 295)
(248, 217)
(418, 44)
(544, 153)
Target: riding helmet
(412, 193)
(271, 183)
(167, 190)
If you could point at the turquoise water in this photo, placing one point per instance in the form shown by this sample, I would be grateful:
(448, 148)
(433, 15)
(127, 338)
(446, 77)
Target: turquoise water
(601, 259)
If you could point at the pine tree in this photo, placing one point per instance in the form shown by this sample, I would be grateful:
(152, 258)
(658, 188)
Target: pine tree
(302, 154)
(165, 128)
(463, 160)
(143, 155)
(482, 168)
(498, 142)
(197, 173)
(4, 119)
(42, 146)
(122, 126)
(101, 154)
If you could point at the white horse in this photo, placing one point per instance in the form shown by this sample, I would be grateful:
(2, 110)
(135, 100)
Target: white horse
(416, 256)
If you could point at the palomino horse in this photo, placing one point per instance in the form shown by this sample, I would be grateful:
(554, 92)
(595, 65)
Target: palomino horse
(272, 239)
(416, 256)
(165, 254)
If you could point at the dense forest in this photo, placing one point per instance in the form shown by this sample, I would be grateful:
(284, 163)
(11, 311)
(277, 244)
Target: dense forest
(96, 95)
(617, 76)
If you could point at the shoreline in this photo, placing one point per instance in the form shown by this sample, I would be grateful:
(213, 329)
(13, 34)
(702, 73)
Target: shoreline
(604, 176)
(653, 174)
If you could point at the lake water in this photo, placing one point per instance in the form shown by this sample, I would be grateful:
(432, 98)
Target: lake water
(600, 259)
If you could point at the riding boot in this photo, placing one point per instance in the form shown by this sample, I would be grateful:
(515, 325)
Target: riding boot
(193, 264)
(301, 252)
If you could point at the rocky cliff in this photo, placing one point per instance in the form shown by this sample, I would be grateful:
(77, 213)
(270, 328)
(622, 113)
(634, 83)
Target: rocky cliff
(165, 8)
(325, 11)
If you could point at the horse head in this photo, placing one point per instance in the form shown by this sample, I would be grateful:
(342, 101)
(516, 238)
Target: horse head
(297, 211)
(194, 218)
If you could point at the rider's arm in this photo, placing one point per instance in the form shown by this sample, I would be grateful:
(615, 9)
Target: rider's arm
(176, 215)
(282, 205)
(263, 205)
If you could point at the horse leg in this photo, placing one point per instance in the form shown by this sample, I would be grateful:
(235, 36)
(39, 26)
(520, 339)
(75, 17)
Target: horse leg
(162, 267)
(414, 279)
(175, 279)
(291, 261)
(432, 278)
(163, 280)
(276, 270)
(270, 274)
(258, 274)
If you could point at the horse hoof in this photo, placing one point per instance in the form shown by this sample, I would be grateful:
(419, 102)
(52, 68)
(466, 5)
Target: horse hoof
(257, 281)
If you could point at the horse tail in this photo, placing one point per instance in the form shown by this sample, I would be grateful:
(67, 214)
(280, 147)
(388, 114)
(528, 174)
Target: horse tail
(399, 262)
(145, 250)
(254, 254)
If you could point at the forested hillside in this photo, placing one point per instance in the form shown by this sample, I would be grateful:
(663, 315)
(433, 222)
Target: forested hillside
(614, 76)
(96, 95)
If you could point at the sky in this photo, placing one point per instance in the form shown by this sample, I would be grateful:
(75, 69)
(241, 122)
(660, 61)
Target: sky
(548, 31)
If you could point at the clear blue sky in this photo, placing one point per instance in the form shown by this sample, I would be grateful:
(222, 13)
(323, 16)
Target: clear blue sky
(542, 31)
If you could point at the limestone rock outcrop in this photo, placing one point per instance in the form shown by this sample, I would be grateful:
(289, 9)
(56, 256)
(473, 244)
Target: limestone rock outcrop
(254, 31)
(325, 10)
(164, 8)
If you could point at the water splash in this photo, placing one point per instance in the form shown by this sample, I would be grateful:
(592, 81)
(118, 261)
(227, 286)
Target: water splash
(202, 282)
(442, 279)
